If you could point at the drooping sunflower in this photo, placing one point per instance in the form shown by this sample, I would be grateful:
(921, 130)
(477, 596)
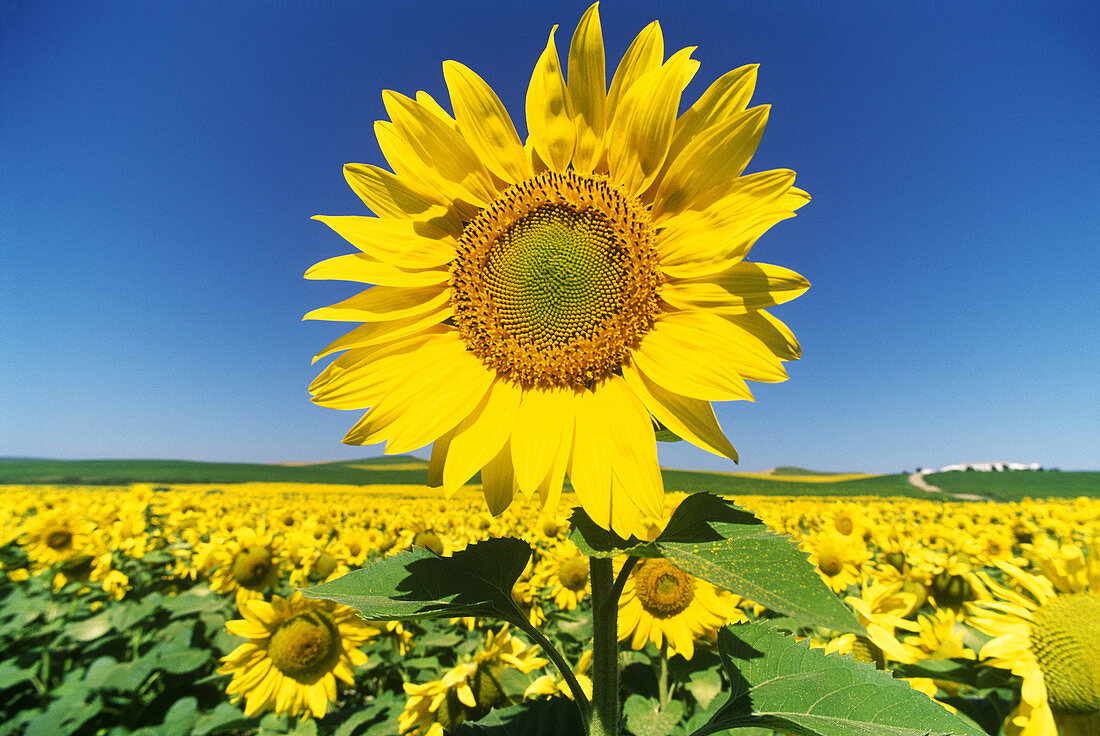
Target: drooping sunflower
(539, 305)
(470, 689)
(296, 650)
(1047, 631)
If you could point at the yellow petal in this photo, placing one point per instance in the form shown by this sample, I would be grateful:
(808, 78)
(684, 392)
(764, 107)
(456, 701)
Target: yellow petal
(498, 481)
(551, 485)
(549, 117)
(641, 131)
(699, 243)
(317, 700)
(380, 303)
(646, 52)
(388, 196)
(691, 419)
(590, 464)
(587, 87)
(726, 96)
(702, 173)
(444, 384)
(428, 103)
(374, 333)
(745, 287)
(540, 426)
(683, 356)
(359, 377)
(771, 331)
(362, 268)
(401, 242)
(485, 124)
(480, 436)
(614, 465)
(447, 159)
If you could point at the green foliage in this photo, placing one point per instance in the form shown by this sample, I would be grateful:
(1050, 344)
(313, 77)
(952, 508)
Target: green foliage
(781, 683)
(552, 717)
(476, 581)
(1015, 485)
(715, 540)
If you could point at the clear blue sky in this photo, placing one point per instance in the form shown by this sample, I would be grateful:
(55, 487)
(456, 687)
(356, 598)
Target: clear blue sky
(159, 162)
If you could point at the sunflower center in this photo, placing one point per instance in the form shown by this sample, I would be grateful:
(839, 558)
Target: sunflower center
(664, 590)
(305, 648)
(252, 568)
(429, 540)
(556, 281)
(59, 539)
(1065, 637)
(573, 573)
(830, 563)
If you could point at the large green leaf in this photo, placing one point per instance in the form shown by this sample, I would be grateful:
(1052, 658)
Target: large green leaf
(552, 717)
(724, 544)
(781, 683)
(417, 584)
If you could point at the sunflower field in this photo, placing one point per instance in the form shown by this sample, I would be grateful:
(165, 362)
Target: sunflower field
(146, 609)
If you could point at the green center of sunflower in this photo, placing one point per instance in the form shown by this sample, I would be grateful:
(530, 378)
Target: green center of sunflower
(663, 590)
(253, 568)
(1065, 638)
(305, 648)
(556, 281)
(573, 573)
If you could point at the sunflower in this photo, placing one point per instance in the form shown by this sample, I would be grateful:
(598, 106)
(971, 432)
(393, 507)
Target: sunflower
(538, 307)
(554, 685)
(839, 558)
(469, 690)
(55, 538)
(662, 604)
(565, 572)
(246, 564)
(296, 650)
(1047, 631)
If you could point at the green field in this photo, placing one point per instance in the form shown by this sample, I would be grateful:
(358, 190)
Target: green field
(120, 472)
(407, 470)
(1015, 485)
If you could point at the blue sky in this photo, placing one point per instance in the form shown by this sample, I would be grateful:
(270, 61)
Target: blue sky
(160, 162)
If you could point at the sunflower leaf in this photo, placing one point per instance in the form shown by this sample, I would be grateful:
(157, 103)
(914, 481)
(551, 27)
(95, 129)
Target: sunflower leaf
(781, 683)
(553, 717)
(716, 540)
(418, 584)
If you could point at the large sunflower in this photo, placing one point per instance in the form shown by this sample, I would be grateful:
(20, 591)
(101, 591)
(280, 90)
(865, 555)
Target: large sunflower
(538, 305)
(1047, 631)
(296, 650)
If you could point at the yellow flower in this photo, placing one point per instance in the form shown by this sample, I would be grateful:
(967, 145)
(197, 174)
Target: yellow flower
(469, 690)
(1049, 635)
(554, 685)
(296, 650)
(54, 538)
(662, 604)
(248, 563)
(839, 558)
(565, 571)
(537, 305)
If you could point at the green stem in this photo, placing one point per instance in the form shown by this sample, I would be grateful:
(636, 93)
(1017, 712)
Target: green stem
(605, 650)
(563, 667)
(663, 682)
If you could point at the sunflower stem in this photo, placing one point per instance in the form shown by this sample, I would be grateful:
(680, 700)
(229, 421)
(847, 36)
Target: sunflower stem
(563, 667)
(605, 650)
